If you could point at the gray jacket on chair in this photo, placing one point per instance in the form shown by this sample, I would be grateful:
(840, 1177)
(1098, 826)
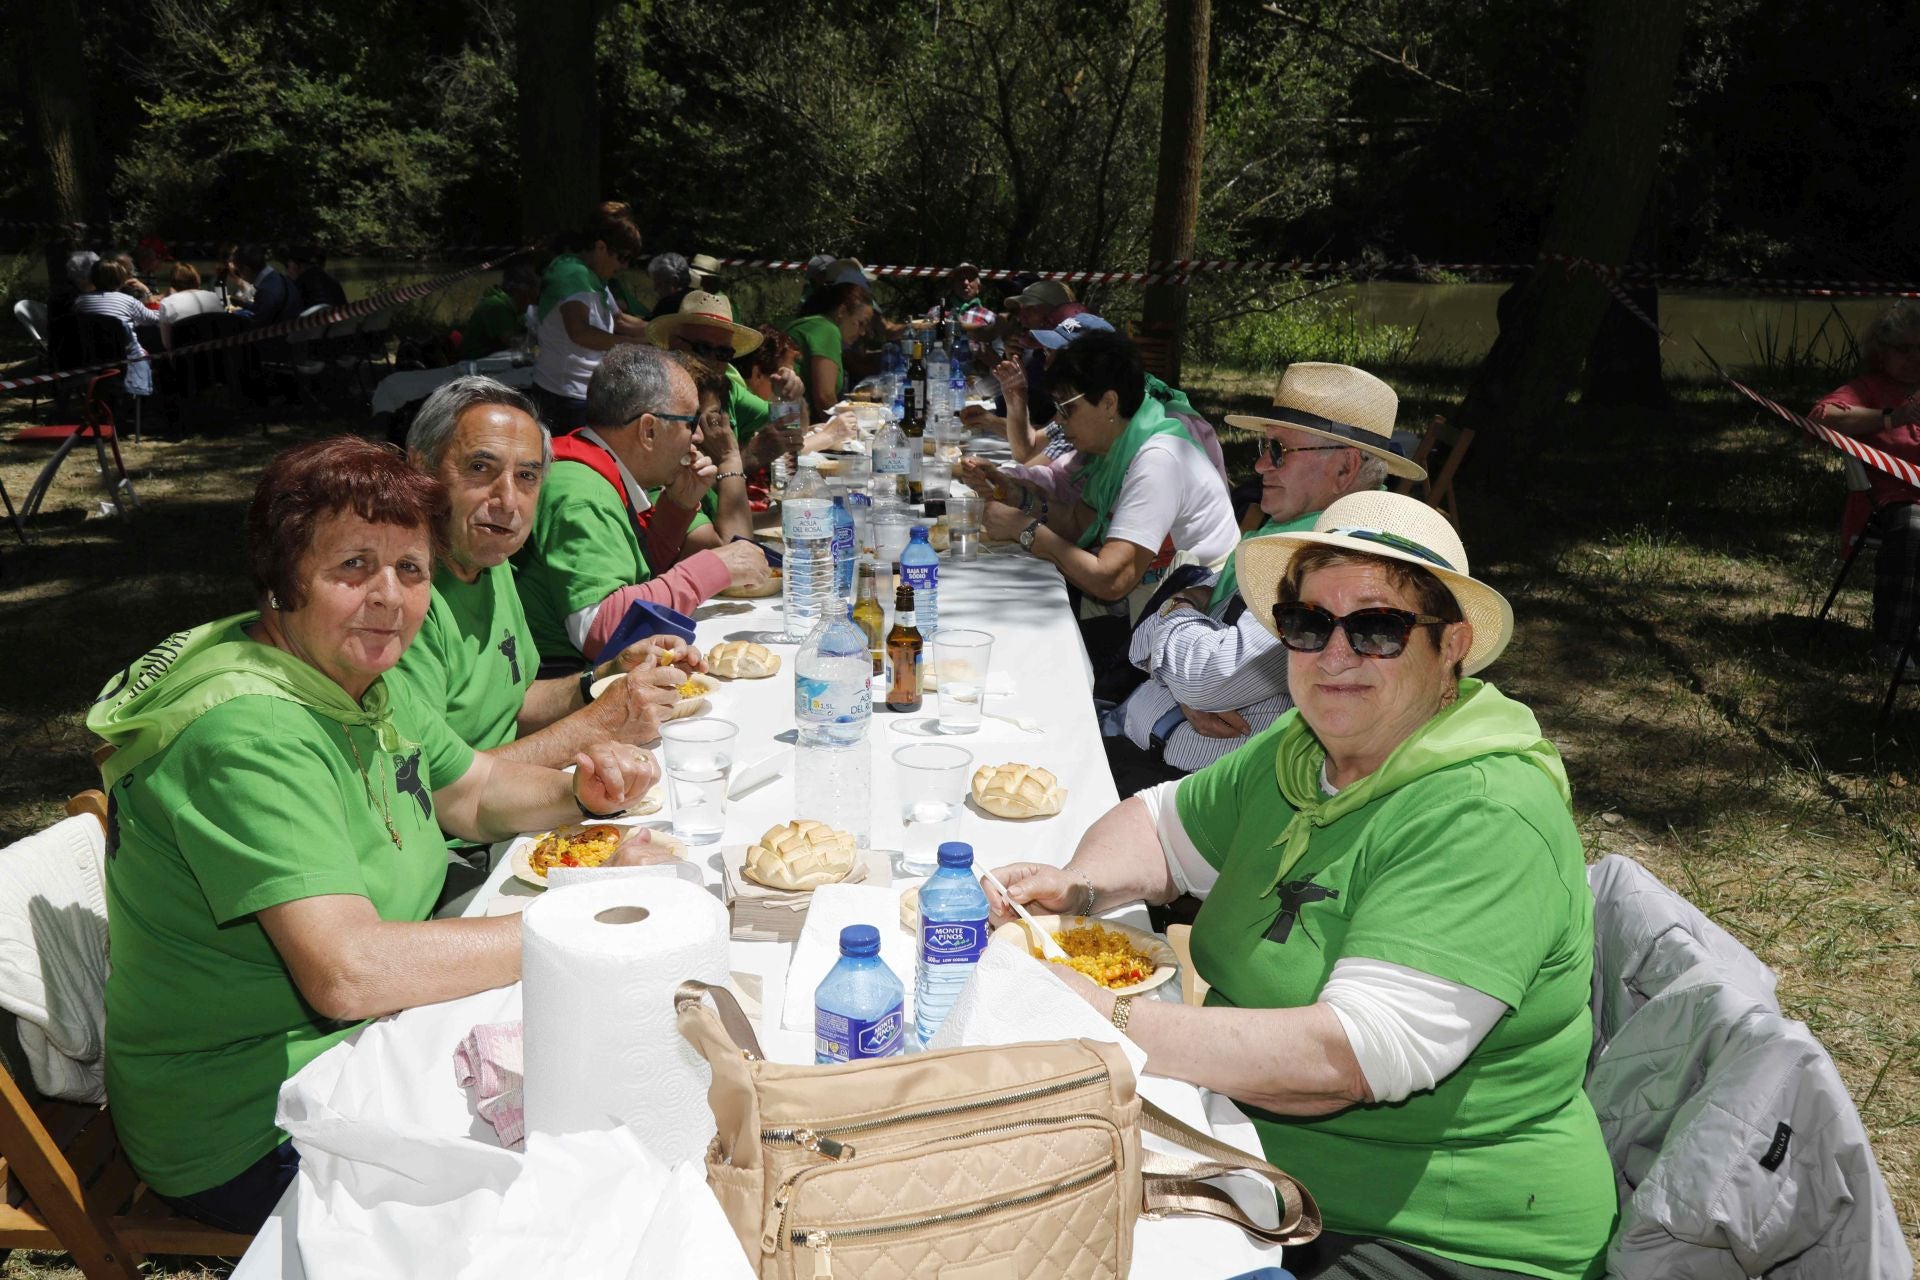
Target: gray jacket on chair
(1737, 1149)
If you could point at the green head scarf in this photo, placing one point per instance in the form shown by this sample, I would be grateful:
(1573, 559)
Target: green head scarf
(1229, 580)
(1101, 481)
(567, 275)
(144, 708)
(1481, 722)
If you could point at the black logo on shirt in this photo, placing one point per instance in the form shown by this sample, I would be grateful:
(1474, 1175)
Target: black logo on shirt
(406, 780)
(510, 646)
(1294, 895)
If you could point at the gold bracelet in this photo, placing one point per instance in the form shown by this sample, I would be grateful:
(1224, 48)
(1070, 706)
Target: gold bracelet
(1122, 1012)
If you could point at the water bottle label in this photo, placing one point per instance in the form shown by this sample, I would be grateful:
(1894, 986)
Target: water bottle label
(890, 462)
(838, 1038)
(952, 941)
(923, 578)
(824, 700)
(806, 519)
(843, 541)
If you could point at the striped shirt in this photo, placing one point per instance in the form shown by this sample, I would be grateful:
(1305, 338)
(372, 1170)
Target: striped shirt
(1198, 660)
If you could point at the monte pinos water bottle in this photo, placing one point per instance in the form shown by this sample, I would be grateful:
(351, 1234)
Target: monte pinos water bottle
(857, 1008)
(953, 933)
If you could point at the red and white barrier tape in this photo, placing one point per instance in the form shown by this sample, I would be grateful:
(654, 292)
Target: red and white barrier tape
(366, 306)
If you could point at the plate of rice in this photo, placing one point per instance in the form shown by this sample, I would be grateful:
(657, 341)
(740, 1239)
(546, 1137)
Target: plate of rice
(1124, 960)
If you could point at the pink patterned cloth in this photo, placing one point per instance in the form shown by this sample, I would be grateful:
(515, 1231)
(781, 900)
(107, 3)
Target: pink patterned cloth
(490, 1063)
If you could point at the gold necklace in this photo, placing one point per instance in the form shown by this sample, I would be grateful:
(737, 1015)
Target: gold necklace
(386, 811)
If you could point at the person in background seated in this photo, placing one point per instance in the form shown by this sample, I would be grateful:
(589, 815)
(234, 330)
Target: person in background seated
(704, 328)
(1882, 407)
(1215, 672)
(832, 318)
(726, 513)
(104, 298)
(227, 281)
(275, 830)
(583, 564)
(153, 262)
(131, 284)
(674, 278)
(1396, 923)
(186, 299)
(498, 321)
(274, 298)
(580, 318)
(307, 268)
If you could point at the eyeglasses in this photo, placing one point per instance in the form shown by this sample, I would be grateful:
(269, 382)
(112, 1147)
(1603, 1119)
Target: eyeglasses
(671, 417)
(1276, 453)
(1058, 405)
(1372, 633)
(706, 350)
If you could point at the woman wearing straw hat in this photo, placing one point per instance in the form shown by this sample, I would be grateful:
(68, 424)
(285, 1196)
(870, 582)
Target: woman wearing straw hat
(1396, 922)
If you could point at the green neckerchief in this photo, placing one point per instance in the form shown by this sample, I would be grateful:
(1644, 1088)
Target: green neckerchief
(1173, 397)
(629, 305)
(1481, 722)
(1229, 580)
(189, 673)
(1107, 472)
(566, 276)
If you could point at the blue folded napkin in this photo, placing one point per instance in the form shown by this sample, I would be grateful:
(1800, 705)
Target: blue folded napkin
(644, 619)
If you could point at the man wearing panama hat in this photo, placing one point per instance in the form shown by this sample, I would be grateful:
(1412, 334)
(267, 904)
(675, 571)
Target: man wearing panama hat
(704, 328)
(1215, 674)
(1396, 924)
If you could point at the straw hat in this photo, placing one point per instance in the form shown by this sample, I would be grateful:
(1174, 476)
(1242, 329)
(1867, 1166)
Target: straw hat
(711, 310)
(1340, 403)
(1391, 526)
(703, 270)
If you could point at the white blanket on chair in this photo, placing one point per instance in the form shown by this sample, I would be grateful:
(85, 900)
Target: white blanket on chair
(53, 955)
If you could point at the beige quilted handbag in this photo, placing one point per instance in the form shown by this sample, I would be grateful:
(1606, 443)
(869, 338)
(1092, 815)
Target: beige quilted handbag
(998, 1163)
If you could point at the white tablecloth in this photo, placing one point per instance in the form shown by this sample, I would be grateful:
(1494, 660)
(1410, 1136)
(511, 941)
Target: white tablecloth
(1023, 602)
(397, 389)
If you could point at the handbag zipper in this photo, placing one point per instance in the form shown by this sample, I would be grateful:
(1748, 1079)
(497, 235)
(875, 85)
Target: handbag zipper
(819, 1139)
(821, 1241)
(771, 1239)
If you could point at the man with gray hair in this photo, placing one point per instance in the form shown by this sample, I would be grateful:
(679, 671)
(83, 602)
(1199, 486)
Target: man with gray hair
(583, 565)
(1215, 675)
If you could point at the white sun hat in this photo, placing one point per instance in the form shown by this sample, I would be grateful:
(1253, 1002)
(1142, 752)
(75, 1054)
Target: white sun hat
(1390, 526)
(1339, 403)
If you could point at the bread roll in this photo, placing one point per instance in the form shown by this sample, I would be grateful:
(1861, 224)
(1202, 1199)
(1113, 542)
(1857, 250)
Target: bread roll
(1017, 791)
(742, 660)
(802, 854)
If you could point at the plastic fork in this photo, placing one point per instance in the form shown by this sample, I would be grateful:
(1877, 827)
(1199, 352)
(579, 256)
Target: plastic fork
(1051, 949)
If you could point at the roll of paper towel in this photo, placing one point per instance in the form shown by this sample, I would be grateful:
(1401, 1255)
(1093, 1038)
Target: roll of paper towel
(599, 964)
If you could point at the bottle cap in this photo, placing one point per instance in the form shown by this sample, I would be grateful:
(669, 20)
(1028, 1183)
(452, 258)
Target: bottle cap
(954, 853)
(859, 940)
(917, 534)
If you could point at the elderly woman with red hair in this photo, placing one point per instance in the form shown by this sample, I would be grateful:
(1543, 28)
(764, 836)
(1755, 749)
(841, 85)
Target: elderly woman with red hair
(275, 829)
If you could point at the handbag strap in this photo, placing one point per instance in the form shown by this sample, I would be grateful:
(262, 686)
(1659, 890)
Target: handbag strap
(1175, 1184)
(732, 1017)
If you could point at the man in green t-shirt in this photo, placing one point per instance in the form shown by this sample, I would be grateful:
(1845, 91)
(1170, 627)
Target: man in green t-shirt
(499, 320)
(474, 658)
(583, 565)
(704, 328)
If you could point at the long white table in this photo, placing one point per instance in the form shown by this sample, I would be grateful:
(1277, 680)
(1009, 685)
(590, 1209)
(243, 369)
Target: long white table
(1023, 602)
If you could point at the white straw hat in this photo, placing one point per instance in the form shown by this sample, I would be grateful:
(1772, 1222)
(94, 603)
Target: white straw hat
(704, 310)
(1340, 403)
(1391, 526)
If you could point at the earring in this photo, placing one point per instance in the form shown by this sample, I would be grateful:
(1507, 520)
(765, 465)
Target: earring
(273, 602)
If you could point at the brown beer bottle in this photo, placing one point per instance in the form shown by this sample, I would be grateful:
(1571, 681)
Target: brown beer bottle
(903, 655)
(868, 616)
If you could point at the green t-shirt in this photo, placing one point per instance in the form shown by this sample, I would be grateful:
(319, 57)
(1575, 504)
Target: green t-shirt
(747, 410)
(583, 548)
(494, 325)
(818, 336)
(258, 802)
(474, 658)
(1472, 873)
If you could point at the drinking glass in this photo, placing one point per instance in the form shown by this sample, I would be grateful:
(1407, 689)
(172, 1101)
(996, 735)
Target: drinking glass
(699, 761)
(932, 779)
(936, 478)
(965, 510)
(891, 530)
(960, 662)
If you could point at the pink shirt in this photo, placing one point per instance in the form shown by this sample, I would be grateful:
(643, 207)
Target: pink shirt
(1878, 391)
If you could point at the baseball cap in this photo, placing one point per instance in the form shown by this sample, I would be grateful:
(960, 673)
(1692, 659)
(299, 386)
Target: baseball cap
(1069, 329)
(1042, 293)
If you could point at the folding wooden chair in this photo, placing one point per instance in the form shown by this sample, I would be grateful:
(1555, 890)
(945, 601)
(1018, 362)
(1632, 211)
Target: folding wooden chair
(1857, 533)
(1440, 451)
(65, 1184)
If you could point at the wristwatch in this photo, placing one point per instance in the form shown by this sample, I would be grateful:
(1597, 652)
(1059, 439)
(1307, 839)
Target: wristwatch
(586, 686)
(1028, 534)
(617, 813)
(1122, 1013)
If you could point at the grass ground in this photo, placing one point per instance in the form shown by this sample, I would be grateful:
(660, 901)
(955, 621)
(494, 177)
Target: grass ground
(1663, 567)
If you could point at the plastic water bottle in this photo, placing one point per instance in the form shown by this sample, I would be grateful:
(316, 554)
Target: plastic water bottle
(857, 1006)
(845, 551)
(920, 569)
(806, 523)
(953, 933)
(832, 707)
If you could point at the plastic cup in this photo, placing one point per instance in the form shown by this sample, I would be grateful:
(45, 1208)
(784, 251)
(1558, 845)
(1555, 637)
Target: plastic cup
(932, 779)
(892, 528)
(965, 511)
(699, 763)
(961, 659)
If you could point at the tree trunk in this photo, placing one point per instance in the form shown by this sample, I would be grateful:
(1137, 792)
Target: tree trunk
(559, 115)
(1183, 145)
(54, 83)
(1623, 366)
(1549, 319)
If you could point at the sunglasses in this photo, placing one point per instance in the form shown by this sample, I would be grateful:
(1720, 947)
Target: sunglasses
(1276, 453)
(1372, 633)
(707, 350)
